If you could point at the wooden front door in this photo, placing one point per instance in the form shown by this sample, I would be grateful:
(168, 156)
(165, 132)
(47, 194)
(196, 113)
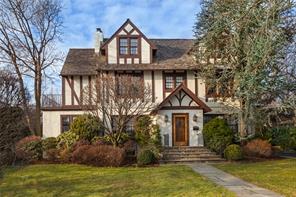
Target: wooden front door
(180, 129)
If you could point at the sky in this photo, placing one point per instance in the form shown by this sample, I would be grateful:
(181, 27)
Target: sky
(155, 18)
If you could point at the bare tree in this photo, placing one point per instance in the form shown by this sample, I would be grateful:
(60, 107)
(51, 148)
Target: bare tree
(117, 100)
(28, 33)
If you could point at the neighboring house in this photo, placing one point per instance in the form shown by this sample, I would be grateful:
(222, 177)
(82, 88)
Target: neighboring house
(167, 65)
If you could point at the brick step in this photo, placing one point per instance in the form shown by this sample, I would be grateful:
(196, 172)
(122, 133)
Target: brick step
(187, 153)
(186, 160)
(191, 156)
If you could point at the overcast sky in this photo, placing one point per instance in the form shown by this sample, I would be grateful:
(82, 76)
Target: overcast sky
(155, 18)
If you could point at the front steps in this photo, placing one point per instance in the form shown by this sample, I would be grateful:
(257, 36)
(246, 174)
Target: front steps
(187, 154)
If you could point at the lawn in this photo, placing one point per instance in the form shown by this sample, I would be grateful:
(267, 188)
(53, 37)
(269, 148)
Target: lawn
(276, 175)
(78, 180)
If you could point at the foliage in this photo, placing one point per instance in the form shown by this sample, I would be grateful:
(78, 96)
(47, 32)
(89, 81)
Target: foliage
(145, 157)
(67, 139)
(217, 135)
(116, 139)
(99, 155)
(146, 132)
(49, 143)
(12, 130)
(258, 148)
(233, 152)
(284, 137)
(29, 148)
(86, 127)
(254, 40)
(79, 143)
(52, 155)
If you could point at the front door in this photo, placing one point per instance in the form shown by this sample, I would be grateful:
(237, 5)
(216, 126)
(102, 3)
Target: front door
(180, 129)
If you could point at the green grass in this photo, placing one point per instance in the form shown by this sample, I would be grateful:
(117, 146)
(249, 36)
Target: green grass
(78, 180)
(276, 175)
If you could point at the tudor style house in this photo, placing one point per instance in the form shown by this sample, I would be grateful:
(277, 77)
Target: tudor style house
(184, 102)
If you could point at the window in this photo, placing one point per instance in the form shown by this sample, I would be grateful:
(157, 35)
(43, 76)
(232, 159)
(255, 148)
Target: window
(128, 46)
(134, 46)
(66, 121)
(123, 46)
(219, 90)
(173, 80)
(169, 83)
(130, 84)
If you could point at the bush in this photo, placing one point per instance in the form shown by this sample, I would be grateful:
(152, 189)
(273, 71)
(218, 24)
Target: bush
(52, 154)
(86, 127)
(146, 132)
(29, 149)
(217, 135)
(66, 140)
(101, 155)
(145, 157)
(233, 152)
(49, 143)
(79, 143)
(258, 148)
(285, 137)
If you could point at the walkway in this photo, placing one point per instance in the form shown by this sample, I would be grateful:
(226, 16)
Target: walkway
(234, 184)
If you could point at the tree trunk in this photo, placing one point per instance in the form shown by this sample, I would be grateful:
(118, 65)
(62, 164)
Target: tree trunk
(38, 77)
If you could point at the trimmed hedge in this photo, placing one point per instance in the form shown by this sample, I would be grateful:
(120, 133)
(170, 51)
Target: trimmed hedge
(233, 152)
(100, 155)
(217, 135)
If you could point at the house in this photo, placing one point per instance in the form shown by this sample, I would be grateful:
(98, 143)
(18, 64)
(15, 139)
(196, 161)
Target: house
(184, 102)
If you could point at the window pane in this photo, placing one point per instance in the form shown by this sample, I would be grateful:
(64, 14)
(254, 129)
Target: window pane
(123, 42)
(65, 123)
(134, 50)
(123, 50)
(179, 80)
(169, 82)
(134, 42)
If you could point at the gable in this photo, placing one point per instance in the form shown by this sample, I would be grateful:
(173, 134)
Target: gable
(182, 98)
(127, 32)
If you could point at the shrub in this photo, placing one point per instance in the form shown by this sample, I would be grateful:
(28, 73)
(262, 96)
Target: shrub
(130, 147)
(146, 132)
(49, 143)
(66, 140)
(284, 137)
(258, 148)
(217, 135)
(99, 141)
(101, 155)
(145, 157)
(29, 148)
(233, 152)
(79, 143)
(52, 154)
(86, 127)
(65, 155)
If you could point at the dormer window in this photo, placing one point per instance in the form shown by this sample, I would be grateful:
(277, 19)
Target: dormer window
(123, 46)
(128, 46)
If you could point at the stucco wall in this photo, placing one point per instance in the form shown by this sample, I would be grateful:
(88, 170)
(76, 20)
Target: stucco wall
(195, 137)
(52, 121)
(145, 50)
(112, 52)
(158, 86)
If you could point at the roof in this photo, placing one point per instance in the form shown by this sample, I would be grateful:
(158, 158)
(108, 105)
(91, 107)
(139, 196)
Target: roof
(80, 62)
(187, 91)
(171, 54)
